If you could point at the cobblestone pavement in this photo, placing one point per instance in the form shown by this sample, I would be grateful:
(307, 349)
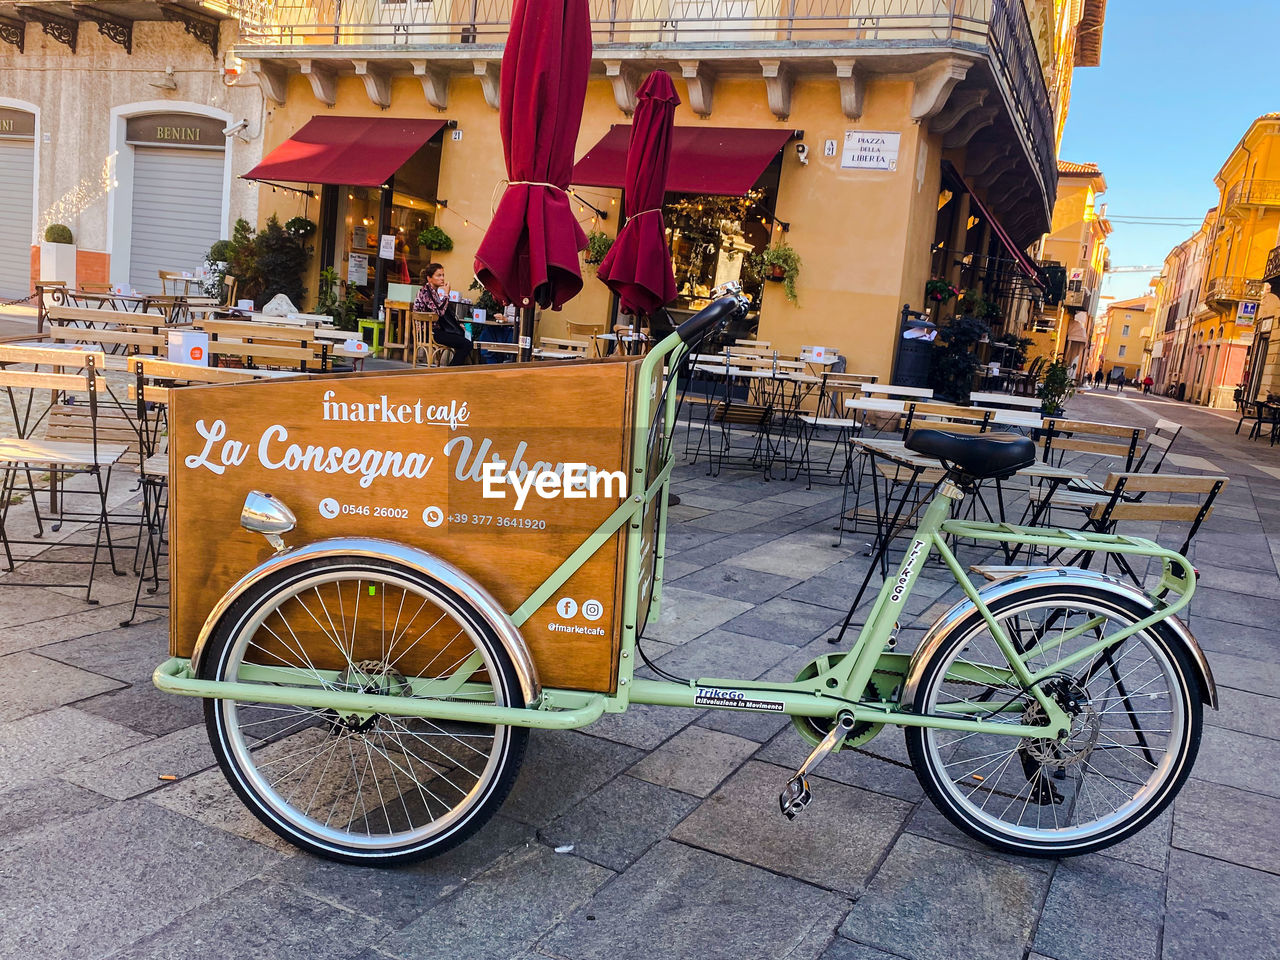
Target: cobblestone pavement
(677, 846)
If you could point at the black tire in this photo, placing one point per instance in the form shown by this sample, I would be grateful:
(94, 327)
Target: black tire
(1097, 765)
(429, 792)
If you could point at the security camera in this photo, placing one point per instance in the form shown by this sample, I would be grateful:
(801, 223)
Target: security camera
(802, 151)
(235, 129)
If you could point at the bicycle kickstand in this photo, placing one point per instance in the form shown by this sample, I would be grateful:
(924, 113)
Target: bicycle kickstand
(796, 795)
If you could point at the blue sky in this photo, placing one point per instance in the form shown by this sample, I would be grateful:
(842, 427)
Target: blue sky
(1179, 84)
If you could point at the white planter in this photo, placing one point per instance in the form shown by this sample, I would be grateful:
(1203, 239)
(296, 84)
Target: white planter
(58, 262)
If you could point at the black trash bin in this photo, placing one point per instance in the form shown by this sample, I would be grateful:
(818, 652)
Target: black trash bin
(915, 349)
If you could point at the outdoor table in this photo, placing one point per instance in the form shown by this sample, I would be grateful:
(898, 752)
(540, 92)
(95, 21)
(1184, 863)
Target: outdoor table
(897, 392)
(1003, 400)
(896, 452)
(103, 301)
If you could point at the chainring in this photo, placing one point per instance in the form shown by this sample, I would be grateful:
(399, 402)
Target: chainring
(881, 687)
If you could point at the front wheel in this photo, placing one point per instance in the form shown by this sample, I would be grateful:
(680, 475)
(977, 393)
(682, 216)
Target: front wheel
(370, 788)
(1136, 722)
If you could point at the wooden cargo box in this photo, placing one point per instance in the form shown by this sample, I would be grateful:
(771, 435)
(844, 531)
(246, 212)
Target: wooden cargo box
(398, 456)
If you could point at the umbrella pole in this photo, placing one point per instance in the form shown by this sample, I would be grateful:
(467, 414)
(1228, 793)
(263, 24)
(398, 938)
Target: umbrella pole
(526, 334)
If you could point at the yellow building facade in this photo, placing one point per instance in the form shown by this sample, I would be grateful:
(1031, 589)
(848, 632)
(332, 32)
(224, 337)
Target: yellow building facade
(969, 133)
(1124, 338)
(1076, 248)
(1223, 330)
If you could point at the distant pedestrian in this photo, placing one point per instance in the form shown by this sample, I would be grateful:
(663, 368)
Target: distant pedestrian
(1097, 378)
(1117, 377)
(1147, 383)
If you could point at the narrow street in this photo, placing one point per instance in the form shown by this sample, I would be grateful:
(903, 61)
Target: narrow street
(655, 833)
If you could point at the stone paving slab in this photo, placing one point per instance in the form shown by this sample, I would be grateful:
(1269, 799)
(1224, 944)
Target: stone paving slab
(507, 908)
(1214, 908)
(741, 821)
(619, 822)
(930, 901)
(86, 886)
(695, 761)
(678, 903)
(31, 684)
(137, 770)
(1100, 909)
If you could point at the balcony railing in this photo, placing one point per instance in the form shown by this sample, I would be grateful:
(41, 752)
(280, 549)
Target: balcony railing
(1253, 193)
(999, 26)
(618, 21)
(1272, 270)
(1233, 289)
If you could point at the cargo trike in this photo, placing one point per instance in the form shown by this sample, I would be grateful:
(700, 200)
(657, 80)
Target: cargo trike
(376, 635)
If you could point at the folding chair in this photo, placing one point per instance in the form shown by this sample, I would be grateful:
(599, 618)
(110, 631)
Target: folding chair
(74, 449)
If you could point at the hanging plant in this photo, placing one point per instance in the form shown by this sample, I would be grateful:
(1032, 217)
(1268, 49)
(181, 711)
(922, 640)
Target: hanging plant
(780, 262)
(433, 238)
(598, 245)
(939, 291)
(299, 227)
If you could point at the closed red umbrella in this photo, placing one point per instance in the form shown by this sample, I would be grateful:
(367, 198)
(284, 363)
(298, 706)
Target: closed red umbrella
(638, 265)
(529, 254)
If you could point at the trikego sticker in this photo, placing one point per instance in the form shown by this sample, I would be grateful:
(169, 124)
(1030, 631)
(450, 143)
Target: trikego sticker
(734, 699)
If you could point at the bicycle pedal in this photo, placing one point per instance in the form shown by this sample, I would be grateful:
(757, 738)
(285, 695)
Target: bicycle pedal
(795, 796)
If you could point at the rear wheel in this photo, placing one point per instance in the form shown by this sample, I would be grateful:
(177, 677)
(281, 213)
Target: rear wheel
(371, 788)
(1136, 720)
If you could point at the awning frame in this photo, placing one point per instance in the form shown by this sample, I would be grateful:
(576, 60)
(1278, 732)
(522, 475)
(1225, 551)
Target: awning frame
(1019, 256)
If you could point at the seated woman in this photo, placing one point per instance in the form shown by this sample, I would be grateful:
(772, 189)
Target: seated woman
(434, 298)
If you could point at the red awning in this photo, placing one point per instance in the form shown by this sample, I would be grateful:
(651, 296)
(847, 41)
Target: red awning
(718, 160)
(1024, 262)
(359, 151)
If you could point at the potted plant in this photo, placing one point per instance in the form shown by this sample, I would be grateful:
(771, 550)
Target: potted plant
(58, 254)
(954, 362)
(1055, 388)
(598, 245)
(780, 262)
(332, 301)
(939, 291)
(433, 238)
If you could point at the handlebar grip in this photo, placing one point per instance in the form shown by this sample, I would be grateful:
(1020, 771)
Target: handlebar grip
(716, 314)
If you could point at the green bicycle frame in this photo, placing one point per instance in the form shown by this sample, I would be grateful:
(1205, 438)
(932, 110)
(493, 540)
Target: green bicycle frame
(840, 683)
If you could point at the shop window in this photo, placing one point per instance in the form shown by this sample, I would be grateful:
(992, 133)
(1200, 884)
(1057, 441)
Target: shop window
(713, 239)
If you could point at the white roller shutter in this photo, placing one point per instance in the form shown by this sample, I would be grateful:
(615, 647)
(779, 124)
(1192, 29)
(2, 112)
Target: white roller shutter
(17, 184)
(177, 212)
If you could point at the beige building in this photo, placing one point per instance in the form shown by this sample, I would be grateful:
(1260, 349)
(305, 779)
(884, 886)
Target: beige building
(111, 123)
(1124, 338)
(929, 143)
(1180, 289)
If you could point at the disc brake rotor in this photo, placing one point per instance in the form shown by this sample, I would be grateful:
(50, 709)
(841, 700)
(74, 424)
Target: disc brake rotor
(1081, 738)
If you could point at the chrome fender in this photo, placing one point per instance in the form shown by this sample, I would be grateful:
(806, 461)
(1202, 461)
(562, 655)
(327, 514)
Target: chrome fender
(944, 626)
(430, 566)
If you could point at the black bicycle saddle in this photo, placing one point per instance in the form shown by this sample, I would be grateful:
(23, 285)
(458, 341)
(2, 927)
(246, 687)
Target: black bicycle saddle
(983, 456)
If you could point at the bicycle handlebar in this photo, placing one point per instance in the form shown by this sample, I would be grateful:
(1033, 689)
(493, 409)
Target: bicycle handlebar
(721, 312)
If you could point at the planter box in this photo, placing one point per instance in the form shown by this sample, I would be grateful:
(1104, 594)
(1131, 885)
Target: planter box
(58, 262)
